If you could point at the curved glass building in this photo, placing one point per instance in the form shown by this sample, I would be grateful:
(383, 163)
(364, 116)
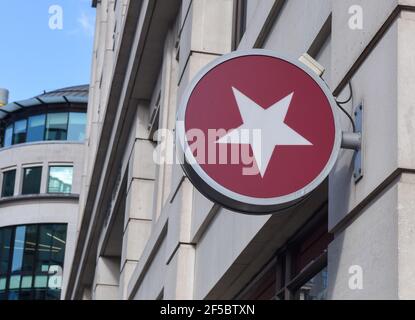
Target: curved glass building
(41, 163)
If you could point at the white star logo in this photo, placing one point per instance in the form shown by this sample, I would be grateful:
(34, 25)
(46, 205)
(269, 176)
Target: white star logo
(270, 123)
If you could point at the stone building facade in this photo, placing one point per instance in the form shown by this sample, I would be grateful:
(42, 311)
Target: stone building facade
(146, 233)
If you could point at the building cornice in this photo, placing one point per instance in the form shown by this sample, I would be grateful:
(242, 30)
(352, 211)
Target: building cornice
(39, 143)
(39, 197)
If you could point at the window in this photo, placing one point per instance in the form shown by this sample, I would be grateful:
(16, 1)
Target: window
(315, 288)
(8, 136)
(60, 179)
(76, 127)
(5, 245)
(299, 270)
(31, 180)
(56, 126)
(19, 135)
(53, 126)
(36, 128)
(31, 261)
(9, 178)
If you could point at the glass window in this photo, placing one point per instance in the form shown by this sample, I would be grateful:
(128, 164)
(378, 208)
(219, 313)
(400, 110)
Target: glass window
(19, 240)
(2, 284)
(56, 126)
(58, 245)
(29, 251)
(299, 271)
(31, 180)
(5, 250)
(26, 282)
(60, 179)
(36, 128)
(53, 126)
(8, 136)
(26, 294)
(45, 243)
(76, 127)
(315, 288)
(14, 283)
(32, 259)
(19, 135)
(9, 178)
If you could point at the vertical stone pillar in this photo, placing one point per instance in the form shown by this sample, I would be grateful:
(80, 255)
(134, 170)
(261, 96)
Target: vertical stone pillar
(202, 40)
(106, 280)
(139, 199)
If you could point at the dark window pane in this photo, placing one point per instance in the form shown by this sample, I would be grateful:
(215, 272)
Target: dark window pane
(31, 180)
(3, 281)
(315, 288)
(56, 126)
(5, 250)
(44, 248)
(36, 267)
(9, 178)
(58, 245)
(60, 180)
(312, 246)
(8, 136)
(26, 295)
(53, 294)
(19, 135)
(36, 128)
(40, 294)
(29, 251)
(13, 295)
(76, 127)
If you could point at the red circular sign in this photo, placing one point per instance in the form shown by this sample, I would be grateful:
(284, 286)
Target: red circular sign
(258, 131)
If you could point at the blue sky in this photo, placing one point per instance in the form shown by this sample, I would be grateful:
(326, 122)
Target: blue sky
(34, 57)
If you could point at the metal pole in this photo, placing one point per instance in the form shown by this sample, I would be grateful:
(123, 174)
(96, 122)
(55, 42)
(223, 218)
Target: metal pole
(351, 140)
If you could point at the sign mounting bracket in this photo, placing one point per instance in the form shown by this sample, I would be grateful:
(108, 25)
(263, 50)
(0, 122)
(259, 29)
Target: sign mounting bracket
(353, 141)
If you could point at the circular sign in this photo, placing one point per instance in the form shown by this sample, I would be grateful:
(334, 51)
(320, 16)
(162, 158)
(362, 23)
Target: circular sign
(257, 132)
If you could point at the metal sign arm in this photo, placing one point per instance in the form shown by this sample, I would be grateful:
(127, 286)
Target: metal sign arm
(351, 140)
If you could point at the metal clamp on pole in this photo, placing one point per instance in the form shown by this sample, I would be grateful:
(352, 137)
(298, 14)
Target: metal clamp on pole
(351, 140)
